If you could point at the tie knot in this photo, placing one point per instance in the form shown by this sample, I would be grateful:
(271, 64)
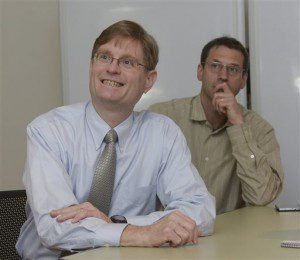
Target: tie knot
(111, 136)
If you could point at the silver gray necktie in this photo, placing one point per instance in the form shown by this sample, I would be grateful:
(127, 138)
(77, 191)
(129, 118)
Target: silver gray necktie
(104, 176)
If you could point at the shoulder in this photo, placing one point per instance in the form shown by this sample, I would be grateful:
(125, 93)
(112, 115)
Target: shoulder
(255, 120)
(260, 127)
(171, 105)
(156, 124)
(158, 132)
(61, 117)
(173, 108)
(148, 118)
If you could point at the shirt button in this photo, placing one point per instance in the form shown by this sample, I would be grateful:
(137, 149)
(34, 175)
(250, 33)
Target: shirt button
(251, 156)
(206, 158)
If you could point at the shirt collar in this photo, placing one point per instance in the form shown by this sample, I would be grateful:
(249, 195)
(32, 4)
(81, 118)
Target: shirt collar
(197, 111)
(99, 127)
(197, 114)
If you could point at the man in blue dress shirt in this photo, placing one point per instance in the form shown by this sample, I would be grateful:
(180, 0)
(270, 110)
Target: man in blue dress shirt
(152, 160)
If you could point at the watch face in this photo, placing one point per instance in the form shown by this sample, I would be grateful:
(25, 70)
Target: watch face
(118, 219)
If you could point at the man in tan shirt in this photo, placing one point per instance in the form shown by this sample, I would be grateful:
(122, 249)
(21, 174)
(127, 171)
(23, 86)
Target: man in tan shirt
(234, 149)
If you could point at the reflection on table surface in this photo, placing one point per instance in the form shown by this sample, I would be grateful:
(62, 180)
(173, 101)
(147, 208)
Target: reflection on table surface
(247, 233)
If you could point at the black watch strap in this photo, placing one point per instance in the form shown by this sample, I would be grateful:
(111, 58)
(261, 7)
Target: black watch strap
(118, 219)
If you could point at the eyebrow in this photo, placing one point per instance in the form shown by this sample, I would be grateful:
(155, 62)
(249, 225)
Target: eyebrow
(106, 51)
(231, 64)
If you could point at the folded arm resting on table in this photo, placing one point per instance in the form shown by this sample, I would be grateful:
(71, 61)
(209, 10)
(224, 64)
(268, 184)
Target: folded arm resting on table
(175, 228)
(258, 161)
(50, 187)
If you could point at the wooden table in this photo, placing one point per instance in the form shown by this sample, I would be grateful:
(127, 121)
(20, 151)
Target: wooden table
(247, 233)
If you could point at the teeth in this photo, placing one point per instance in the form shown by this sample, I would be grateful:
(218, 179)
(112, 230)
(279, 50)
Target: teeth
(112, 83)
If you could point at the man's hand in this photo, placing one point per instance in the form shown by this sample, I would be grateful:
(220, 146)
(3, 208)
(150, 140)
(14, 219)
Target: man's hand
(175, 228)
(225, 103)
(78, 212)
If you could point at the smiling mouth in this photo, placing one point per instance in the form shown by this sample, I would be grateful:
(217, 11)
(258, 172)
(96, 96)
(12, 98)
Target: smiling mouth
(111, 83)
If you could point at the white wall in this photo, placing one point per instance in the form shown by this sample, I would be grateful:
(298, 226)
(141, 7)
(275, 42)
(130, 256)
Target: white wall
(274, 34)
(180, 27)
(30, 77)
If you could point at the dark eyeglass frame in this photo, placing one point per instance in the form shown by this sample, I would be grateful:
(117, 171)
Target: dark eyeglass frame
(106, 58)
(232, 70)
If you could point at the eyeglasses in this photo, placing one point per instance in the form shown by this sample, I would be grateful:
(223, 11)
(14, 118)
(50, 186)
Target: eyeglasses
(216, 67)
(124, 63)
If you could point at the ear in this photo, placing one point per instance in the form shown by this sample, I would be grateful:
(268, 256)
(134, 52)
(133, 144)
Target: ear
(91, 65)
(244, 80)
(150, 80)
(200, 72)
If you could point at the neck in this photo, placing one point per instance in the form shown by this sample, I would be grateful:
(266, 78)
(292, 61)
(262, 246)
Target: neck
(212, 116)
(111, 115)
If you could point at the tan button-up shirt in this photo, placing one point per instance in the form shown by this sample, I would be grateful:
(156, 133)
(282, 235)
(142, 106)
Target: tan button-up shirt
(239, 163)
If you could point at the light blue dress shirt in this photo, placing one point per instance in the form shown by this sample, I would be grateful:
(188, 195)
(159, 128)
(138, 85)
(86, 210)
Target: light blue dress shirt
(152, 160)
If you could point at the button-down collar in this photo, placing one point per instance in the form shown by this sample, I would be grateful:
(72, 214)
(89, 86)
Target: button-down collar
(99, 127)
(197, 111)
(197, 114)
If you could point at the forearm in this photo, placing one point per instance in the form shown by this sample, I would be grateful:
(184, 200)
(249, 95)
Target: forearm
(133, 236)
(176, 228)
(260, 172)
(89, 233)
(260, 182)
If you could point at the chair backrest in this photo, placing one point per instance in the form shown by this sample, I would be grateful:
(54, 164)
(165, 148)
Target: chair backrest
(12, 217)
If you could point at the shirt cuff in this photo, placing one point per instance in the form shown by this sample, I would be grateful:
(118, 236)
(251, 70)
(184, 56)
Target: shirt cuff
(107, 234)
(146, 220)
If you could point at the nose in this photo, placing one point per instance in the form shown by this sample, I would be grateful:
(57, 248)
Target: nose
(114, 67)
(223, 74)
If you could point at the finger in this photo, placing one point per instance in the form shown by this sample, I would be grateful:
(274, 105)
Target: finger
(218, 95)
(216, 105)
(222, 106)
(87, 205)
(185, 225)
(218, 100)
(184, 235)
(82, 214)
(223, 87)
(182, 218)
(173, 239)
(190, 224)
(215, 102)
(54, 213)
(196, 236)
(65, 210)
(66, 216)
(92, 211)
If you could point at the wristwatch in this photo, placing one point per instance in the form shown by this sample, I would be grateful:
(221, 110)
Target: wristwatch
(118, 219)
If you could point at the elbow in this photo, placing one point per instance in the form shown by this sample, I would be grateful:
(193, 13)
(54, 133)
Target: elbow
(48, 240)
(206, 229)
(49, 233)
(263, 198)
(263, 194)
(258, 200)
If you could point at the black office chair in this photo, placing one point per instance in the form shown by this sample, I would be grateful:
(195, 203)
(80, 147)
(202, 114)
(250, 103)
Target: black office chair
(12, 216)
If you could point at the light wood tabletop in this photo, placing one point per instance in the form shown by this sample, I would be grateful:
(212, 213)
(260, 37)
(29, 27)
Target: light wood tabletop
(247, 233)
